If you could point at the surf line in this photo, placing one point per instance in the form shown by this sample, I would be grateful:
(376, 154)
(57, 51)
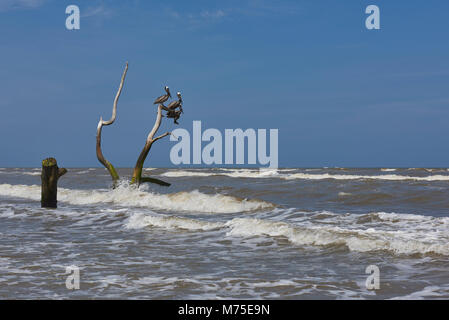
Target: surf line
(212, 153)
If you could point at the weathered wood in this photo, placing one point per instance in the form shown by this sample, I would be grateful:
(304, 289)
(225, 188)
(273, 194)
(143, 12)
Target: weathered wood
(137, 173)
(50, 176)
(61, 172)
(154, 180)
(101, 123)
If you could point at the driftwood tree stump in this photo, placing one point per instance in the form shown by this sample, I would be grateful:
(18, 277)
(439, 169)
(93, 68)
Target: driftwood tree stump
(137, 172)
(50, 176)
(101, 123)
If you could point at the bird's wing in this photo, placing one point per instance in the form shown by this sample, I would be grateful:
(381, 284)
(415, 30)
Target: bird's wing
(158, 100)
(172, 105)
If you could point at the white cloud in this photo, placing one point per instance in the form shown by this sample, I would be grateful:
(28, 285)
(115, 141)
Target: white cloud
(257, 8)
(199, 18)
(6, 5)
(272, 7)
(97, 11)
(212, 14)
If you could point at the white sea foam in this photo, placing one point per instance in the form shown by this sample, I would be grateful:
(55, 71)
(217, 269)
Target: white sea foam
(279, 173)
(6, 213)
(395, 217)
(21, 191)
(234, 173)
(272, 173)
(360, 177)
(32, 173)
(27, 173)
(183, 173)
(392, 232)
(414, 234)
(397, 242)
(83, 171)
(426, 293)
(141, 220)
(192, 201)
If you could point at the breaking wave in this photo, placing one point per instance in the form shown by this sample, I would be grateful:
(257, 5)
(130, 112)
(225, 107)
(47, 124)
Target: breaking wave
(234, 173)
(286, 174)
(124, 195)
(34, 172)
(283, 174)
(359, 177)
(141, 220)
(414, 234)
(397, 242)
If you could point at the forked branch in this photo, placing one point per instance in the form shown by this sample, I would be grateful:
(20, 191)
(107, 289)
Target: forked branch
(137, 173)
(101, 123)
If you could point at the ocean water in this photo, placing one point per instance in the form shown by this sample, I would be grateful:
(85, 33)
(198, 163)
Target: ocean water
(228, 234)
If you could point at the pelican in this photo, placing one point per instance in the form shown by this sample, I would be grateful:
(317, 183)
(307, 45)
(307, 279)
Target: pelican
(175, 104)
(175, 115)
(163, 98)
(171, 108)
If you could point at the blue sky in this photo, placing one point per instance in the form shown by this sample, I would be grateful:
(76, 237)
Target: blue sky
(340, 95)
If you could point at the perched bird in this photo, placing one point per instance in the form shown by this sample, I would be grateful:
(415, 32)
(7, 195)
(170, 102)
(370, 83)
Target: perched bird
(175, 115)
(175, 104)
(163, 98)
(171, 109)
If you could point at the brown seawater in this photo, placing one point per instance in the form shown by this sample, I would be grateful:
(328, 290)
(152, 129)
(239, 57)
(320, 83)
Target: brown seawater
(228, 233)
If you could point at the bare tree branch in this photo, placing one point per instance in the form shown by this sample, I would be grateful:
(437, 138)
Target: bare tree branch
(154, 180)
(137, 173)
(101, 123)
(117, 96)
(61, 172)
(161, 136)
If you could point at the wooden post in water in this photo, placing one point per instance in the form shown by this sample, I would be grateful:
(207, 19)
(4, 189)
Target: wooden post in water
(50, 176)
